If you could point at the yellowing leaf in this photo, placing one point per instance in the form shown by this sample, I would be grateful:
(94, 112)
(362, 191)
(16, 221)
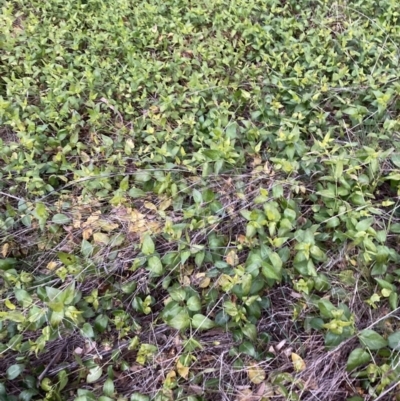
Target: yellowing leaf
(91, 219)
(170, 380)
(150, 206)
(101, 238)
(130, 143)
(232, 258)
(183, 371)
(256, 374)
(298, 363)
(9, 304)
(165, 204)
(4, 249)
(51, 265)
(106, 225)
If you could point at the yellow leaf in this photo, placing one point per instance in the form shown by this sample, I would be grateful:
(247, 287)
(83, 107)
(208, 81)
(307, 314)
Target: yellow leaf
(4, 249)
(9, 304)
(242, 238)
(256, 374)
(185, 281)
(205, 282)
(298, 363)
(182, 370)
(246, 395)
(150, 206)
(87, 233)
(51, 265)
(232, 258)
(91, 219)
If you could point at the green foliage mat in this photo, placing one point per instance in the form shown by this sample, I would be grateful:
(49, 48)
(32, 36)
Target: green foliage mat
(199, 200)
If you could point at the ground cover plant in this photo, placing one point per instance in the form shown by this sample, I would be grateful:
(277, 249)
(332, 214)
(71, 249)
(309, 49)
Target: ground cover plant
(199, 200)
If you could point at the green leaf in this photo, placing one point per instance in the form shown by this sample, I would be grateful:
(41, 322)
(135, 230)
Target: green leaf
(197, 197)
(177, 294)
(202, 322)
(129, 287)
(333, 222)
(395, 228)
(142, 176)
(357, 357)
(396, 160)
(54, 294)
(56, 318)
(60, 219)
(317, 253)
(248, 348)
(87, 330)
(66, 258)
(94, 374)
(148, 247)
(136, 193)
(27, 395)
(325, 308)
(62, 379)
(394, 341)
(194, 303)
(101, 323)
(68, 294)
(372, 340)
(250, 331)
(124, 184)
(273, 272)
(108, 388)
(327, 193)
(41, 211)
(155, 266)
(276, 261)
(17, 317)
(86, 248)
(146, 351)
(23, 297)
(7, 263)
(363, 225)
(271, 212)
(139, 397)
(181, 321)
(14, 371)
(277, 192)
(393, 300)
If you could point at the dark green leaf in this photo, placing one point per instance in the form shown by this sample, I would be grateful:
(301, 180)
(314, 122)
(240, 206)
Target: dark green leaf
(357, 357)
(372, 340)
(14, 371)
